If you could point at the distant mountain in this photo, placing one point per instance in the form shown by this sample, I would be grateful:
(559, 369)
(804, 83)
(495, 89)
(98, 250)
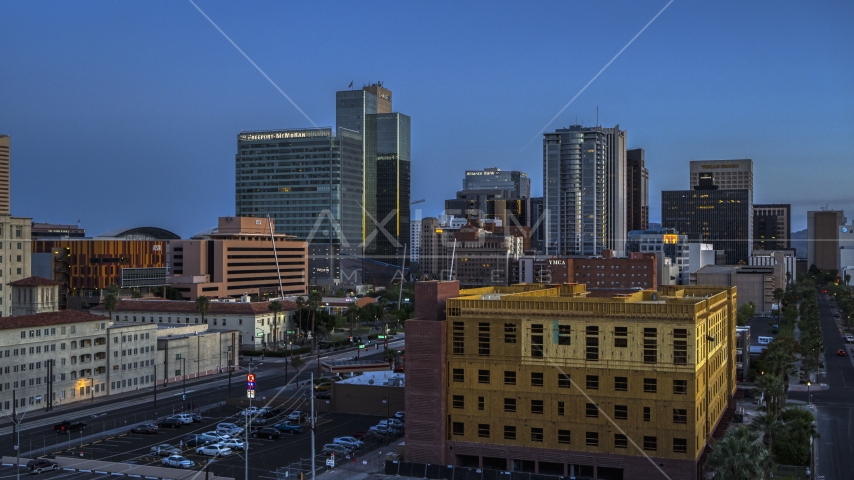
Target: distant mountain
(799, 242)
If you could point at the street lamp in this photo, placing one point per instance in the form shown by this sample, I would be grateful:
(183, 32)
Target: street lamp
(93, 388)
(18, 423)
(809, 396)
(387, 417)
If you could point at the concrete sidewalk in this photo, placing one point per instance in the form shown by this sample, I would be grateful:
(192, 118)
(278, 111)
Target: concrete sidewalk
(121, 469)
(371, 465)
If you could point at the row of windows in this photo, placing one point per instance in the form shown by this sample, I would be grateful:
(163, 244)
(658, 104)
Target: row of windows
(621, 384)
(591, 439)
(621, 412)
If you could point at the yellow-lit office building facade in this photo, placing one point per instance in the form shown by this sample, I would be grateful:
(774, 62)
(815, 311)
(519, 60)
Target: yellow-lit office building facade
(544, 379)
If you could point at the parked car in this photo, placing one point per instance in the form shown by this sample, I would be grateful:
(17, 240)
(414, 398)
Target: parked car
(68, 426)
(335, 448)
(250, 411)
(215, 436)
(288, 427)
(394, 422)
(164, 450)
(268, 412)
(214, 449)
(258, 421)
(170, 422)
(186, 418)
(298, 416)
(194, 440)
(400, 415)
(39, 465)
(349, 442)
(323, 396)
(841, 352)
(235, 430)
(849, 338)
(266, 432)
(232, 443)
(145, 428)
(197, 417)
(387, 430)
(177, 461)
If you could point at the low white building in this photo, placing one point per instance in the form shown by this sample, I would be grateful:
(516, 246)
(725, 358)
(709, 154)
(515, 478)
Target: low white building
(686, 257)
(255, 323)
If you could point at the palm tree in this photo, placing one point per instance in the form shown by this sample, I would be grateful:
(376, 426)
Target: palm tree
(738, 456)
(314, 299)
(276, 307)
(111, 303)
(352, 312)
(768, 424)
(772, 386)
(203, 305)
(300, 305)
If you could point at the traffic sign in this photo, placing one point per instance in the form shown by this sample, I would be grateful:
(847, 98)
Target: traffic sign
(361, 345)
(250, 393)
(381, 337)
(250, 377)
(249, 385)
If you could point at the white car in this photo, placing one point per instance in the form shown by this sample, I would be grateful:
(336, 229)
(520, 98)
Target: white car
(164, 449)
(232, 443)
(250, 411)
(232, 428)
(349, 442)
(186, 419)
(177, 461)
(395, 423)
(849, 338)
(214, 449)
(297, 416)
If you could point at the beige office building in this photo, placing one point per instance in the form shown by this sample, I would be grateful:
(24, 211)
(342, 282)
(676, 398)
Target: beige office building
(724, 174)
(755, 283)
(15, 256)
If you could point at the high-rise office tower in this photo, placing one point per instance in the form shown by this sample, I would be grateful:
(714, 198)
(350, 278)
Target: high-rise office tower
(308, 180)
(5, 173)
(637, 191)
(385, 166)
(495, 179)
(723, 174)
(823, 228)
(584, 188)
(772, 225)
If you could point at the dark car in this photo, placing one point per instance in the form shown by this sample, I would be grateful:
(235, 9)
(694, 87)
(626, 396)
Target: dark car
(265, 432)
(69, 426)
(841, 352)
(194, 440)
(148, 428)
(323, 396)
(170, 423)
(40, 465)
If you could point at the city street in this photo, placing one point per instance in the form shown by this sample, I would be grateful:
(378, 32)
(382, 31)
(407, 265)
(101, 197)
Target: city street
(118, 413)
(835, 405)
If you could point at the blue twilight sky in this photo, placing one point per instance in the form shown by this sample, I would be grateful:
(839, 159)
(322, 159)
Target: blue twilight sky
(126, 113)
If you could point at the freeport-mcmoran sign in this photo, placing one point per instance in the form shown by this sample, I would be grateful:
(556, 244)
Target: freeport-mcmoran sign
(249, 137)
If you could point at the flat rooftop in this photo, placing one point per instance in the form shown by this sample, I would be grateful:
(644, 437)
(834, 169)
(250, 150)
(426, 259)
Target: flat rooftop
(377, 379)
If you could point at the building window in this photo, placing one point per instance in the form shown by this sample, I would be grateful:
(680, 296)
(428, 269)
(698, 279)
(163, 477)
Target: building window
(459, 401)
(621, 384)
(650, 385)
(483, 339)
(621, 337)
(647, 414)
(509, 432)
(509, 333)
(620, 441)
(480, 403)
(592, 411)
(483, 430)
(592, 343)
(536, 379)
(564, 335)
(561, 408)
(537, 340)
(680, 445)
(459, 375)
(680, 387)
(650, 345)
(509, 378)
(536, 434)
(510, 405)
(458, 428)
(536, 407)
(593, 382)
(650, 443)
(621, 412)
(564, 436)
(680, 415)
(459, 341)
(592, 439)
(483, 376)
(680, 346)
(563, 380)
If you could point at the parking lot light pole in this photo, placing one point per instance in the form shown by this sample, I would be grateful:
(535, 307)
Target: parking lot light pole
(809, 397)
(387, 417)
(17, 423)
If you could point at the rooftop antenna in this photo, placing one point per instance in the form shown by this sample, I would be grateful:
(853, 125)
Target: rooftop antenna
(597, 115)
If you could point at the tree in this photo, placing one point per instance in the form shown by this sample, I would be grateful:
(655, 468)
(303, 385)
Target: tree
(111, 303)
(768, 424)
(745, 313)
(276, 307)
(300, 301)
(136, 293)
(203, 305)
(314, 299)
(297, 362)
(793, 440)
(113, 289)
(738, 456)
(847, 278)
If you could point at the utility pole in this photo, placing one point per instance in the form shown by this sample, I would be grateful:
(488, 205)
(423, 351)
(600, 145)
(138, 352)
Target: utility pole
(313, 468)
(16, 427)
(155, 379)
(246, 417)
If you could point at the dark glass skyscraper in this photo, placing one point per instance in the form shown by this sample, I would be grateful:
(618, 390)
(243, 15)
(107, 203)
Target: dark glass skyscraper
(310, 182)
(721, 217)
(637, 191)
(388, 134)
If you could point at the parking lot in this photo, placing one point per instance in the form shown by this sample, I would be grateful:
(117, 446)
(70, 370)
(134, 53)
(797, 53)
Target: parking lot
(265, 455)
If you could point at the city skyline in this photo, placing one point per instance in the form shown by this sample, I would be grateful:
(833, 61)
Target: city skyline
(117, 101)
